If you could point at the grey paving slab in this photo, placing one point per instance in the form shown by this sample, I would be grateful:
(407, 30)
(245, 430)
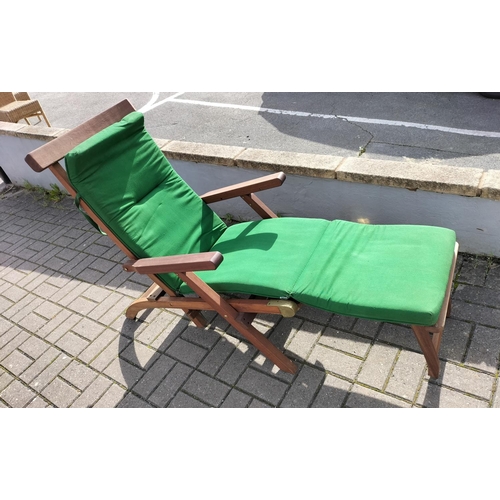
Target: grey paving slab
(64, 340)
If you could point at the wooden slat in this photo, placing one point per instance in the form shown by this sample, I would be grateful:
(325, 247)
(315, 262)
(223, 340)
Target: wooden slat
(206, 261)
(58, 148)
(244, 188)
(259, 206)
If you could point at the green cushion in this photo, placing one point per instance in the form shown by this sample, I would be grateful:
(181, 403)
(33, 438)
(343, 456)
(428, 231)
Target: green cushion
(125, 178)
(382, 272)
(264, 257)
(386, 273)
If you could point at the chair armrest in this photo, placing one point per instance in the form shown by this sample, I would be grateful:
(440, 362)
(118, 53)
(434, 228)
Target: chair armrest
(207, 261)
(245, 188)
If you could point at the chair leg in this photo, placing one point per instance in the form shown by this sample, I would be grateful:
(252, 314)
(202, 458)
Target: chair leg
(46, 120)
(429, 349)
(264, 345)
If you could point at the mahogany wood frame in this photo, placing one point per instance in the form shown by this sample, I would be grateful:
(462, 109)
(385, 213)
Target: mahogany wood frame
(238, 312)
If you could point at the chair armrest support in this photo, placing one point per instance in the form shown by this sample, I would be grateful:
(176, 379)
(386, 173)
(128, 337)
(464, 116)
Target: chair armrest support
(207, 261)
(245, 188)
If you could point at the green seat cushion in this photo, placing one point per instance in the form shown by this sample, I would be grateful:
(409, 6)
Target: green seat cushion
(393, 273)
(126, 180)
(386, 273)
(264, 257)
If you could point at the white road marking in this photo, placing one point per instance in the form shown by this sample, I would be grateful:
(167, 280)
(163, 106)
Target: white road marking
(147, 106)
(153, 104)
(353, 119)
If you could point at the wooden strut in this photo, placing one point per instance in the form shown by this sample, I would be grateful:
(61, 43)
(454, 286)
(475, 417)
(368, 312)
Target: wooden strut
(429, 338)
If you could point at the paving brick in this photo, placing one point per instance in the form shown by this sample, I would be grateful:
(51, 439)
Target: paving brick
(478, 295)
(455, 338)
(262, 386)
(168, 388)
(108, 314)
(22, 308)
(14, 293)
(304, 339)
(5, 305)
(47, 375)
(236, 399)
(96, 293)
(14, 338)
(132, 401)
(48, 310)
(72, 344)
(435, 396)
(342, 322)
(4, 326)
(217, 356)
(399, 335)
(123, 372)
(57, 327)
(5, 379)
(206, 389)
(333, 393)
(17, 395)
(153, 376)
(203, 337)
(182, 400)
(303, 389)
(493, 277)
(378, 365)
(484, 350)
(60, 393)
(38, 402)
(34, 347)
(102, 351)
(473, 271)
(16, 362)
(237, 363)
(259, 404)
(88, 329)
(487, 316)
(164, 331)
(140, 355)
(111, 397)
(407, 375)
(32, 322)
(362, 397)
(92, 393)
(466, 380)
(366, 327)
(186, 352)
(41, 363)
(346, 342)
(334, 361)
(314, 314)
(78, 375)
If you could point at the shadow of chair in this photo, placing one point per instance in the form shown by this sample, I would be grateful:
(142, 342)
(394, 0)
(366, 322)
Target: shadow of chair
(18, 106)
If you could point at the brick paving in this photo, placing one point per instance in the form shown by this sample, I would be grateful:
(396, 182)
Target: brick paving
(65, 342)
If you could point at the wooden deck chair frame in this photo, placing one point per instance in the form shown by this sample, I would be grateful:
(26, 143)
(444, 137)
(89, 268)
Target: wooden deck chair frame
(238, 312)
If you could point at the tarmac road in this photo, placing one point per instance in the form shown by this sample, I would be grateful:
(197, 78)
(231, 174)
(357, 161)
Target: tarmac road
(451, 128)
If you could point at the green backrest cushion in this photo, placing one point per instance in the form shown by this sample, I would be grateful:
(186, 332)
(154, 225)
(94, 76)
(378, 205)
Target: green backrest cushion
(126, 180)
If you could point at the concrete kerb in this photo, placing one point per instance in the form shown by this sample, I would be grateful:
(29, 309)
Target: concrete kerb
(406, 176)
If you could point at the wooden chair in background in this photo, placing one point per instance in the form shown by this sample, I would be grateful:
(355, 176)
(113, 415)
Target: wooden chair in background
(18, 106)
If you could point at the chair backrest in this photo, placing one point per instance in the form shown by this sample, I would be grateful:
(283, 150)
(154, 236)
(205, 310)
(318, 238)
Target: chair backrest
(126, 180)
(6, 98)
